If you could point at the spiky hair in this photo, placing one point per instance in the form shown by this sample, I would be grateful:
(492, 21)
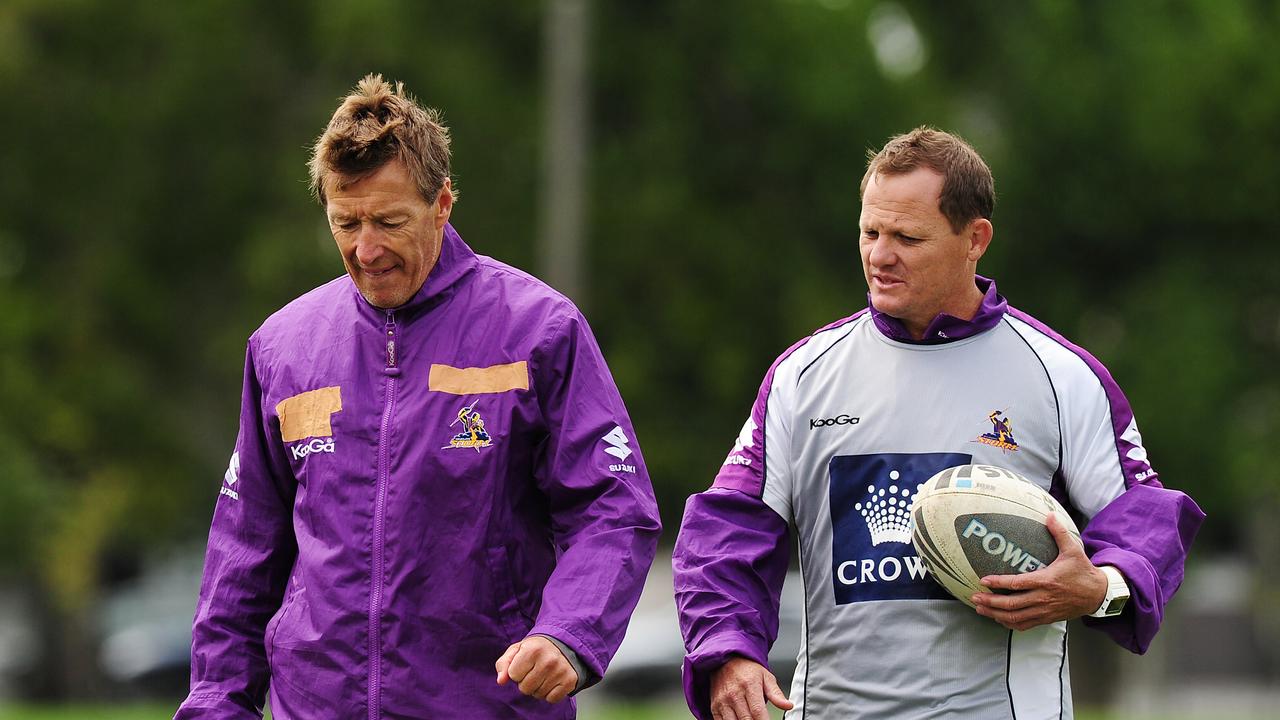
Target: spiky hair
(376, 124)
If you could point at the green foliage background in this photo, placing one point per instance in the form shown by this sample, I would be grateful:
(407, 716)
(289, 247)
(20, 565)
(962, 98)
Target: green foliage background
(153, 210)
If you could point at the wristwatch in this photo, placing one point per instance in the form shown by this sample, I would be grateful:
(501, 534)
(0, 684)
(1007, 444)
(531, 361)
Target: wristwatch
(1117, 594)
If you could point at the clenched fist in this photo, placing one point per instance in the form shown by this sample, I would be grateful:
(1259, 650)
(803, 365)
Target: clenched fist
(539, 669)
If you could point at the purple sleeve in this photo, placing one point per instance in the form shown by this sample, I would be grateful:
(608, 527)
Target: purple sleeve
(247, 564)
(604, 515)
(729, 565)
(1145, 533)
(1146, 530)
(731, 556)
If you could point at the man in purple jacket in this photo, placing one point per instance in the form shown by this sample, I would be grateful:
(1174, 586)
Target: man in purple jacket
(436, 507)
(847, 425)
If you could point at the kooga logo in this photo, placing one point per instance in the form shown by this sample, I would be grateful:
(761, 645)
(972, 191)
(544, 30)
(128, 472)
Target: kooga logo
(840, 419)
(301, 450)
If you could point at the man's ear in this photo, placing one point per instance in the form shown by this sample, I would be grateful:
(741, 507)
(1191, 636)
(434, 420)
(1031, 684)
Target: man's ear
(444, 200)
(978, 234)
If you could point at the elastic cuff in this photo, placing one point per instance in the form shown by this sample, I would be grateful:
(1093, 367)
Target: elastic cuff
(573, 659)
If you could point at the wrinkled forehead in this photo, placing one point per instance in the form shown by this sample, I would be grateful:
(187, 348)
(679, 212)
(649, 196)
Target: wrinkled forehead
(337, 180)
(903, 197)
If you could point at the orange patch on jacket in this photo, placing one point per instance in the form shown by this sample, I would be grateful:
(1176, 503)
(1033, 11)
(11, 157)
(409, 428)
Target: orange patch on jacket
(479, 380)
(307, 414)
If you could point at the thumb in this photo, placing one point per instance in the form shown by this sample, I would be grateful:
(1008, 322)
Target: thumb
(774, 694)
(1058, 529)
(504, 662)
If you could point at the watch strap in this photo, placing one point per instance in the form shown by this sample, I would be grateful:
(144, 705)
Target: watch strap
(1117, 594)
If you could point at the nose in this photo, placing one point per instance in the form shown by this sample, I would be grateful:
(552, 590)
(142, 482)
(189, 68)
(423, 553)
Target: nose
(368, 245)
(881, 253)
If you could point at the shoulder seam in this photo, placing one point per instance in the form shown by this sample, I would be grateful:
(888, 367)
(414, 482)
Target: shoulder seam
(498, 266)
(1057, 401)
(851, 326)
(804, 342)
(1083, 356)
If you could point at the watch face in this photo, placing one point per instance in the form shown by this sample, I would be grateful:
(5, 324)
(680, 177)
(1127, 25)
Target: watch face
(1116, 605)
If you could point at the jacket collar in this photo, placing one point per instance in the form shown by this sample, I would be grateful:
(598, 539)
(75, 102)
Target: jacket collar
(456, 262)
(946, 328)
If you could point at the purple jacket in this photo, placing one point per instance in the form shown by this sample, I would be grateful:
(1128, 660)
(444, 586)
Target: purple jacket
(412, 491)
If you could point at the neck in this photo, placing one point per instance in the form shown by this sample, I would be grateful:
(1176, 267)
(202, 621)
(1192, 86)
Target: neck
(963, 308)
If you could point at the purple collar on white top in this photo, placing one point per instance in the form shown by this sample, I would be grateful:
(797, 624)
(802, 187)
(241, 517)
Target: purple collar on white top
(945, 328)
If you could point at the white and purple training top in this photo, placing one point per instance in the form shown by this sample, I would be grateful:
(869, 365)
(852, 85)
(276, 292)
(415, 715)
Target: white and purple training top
(848, 423)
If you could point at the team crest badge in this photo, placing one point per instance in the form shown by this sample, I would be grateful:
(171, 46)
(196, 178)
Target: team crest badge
(473, 433)
(1001, 434)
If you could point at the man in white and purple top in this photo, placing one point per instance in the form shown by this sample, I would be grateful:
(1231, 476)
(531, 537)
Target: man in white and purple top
(939, 371)
(436, 507)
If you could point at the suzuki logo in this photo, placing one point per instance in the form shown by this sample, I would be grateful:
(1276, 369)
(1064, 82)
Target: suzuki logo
(233, 469)
(618, 443)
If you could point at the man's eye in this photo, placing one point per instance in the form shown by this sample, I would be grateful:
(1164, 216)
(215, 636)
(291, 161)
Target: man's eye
(870, 234)
(392, 224)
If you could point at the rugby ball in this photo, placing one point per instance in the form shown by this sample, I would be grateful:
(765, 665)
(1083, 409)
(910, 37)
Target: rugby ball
(971, 521)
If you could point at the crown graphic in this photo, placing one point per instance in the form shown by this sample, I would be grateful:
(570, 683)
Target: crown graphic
(887, 512)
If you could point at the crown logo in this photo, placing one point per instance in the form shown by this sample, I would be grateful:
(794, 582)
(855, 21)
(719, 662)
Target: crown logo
(888, 512)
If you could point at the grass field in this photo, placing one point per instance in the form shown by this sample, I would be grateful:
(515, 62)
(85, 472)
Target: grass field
(665, 710)
(630, 711)
(657, 711)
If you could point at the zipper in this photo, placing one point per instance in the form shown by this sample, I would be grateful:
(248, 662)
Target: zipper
(392, 371)
(391, 341)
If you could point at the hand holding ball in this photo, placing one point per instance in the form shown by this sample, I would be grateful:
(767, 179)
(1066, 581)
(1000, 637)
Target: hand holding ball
(972, 521)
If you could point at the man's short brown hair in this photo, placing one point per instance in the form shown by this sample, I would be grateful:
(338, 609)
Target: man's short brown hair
(375, 124)
(968, 190)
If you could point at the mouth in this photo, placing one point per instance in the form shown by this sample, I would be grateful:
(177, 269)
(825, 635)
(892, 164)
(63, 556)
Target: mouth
(377, 273)
(885, 282)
